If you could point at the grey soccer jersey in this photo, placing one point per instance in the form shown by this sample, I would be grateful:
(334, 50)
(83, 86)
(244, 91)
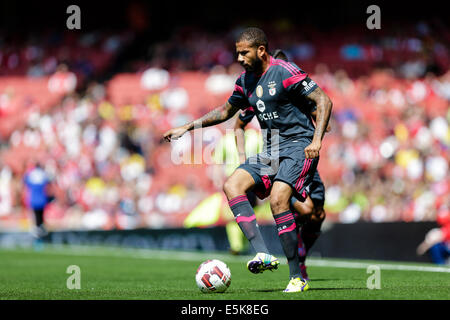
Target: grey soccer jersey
(278, 100)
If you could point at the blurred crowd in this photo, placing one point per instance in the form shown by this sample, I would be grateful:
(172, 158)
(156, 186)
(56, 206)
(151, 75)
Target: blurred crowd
(411, 50)
(385, 159)
(38, 54)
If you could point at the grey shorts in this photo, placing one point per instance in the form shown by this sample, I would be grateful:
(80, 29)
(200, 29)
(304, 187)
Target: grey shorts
(290, 167)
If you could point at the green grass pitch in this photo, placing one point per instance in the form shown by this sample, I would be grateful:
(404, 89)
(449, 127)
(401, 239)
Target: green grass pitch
(117, 273)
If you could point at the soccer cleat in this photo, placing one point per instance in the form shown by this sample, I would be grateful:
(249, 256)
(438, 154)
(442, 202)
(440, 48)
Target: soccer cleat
(303, 271)
(297, 285)
(262, 262)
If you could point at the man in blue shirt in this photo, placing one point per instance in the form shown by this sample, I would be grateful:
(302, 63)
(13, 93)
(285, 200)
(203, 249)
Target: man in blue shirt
(37, 183)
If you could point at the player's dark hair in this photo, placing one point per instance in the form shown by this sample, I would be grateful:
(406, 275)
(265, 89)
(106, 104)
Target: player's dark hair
(255, 36)
(279, 54)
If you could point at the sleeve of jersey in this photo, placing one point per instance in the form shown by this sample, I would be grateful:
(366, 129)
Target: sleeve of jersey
(238, 98)
(298, 81)
(247, 115)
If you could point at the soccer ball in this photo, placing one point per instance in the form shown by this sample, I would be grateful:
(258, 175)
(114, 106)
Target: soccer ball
(213, 276)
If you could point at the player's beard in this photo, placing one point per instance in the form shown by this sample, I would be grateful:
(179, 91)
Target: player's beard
(255, 66)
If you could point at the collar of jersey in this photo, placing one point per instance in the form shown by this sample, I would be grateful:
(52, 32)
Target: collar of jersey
(270, 64)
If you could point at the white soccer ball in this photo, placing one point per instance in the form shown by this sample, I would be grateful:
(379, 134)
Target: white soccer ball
(213, 276)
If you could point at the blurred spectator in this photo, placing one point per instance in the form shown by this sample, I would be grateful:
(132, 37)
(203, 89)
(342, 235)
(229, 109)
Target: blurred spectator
(437, 240)
(38, 196)
(386, 158)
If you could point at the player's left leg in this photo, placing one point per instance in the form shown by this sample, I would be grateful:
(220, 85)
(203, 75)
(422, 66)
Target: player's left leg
(287, 231)
(295, 173)
(311, 229)
(310, 216)
(302, 212)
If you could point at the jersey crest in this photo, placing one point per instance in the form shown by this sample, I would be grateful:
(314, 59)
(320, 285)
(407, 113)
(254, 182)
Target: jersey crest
(272, 89)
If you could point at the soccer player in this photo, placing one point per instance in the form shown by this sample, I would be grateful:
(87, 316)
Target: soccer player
(280, 93)
(37, 184)
(309, 215)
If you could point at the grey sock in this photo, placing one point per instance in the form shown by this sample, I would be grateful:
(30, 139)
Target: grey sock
(287, 232)
(246, 219)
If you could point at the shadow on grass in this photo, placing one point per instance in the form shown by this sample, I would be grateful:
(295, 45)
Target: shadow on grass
(315, 280)
(269, 290)
(337, 289)
(313, 289)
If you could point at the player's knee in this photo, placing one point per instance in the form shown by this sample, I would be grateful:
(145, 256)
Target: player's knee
(305, 208)
(228, 186)
(232, 188)
(278, 203)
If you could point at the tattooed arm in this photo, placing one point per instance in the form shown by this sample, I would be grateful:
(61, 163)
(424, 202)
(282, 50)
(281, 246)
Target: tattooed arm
(240, 138)
(313, 116)
(216, 116)
(323, 114)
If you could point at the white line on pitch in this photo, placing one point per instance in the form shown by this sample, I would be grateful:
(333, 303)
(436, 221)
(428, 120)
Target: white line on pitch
(197, 256)
(385, 266)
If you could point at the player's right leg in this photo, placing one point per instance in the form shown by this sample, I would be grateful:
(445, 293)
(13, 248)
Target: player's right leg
(235, 188)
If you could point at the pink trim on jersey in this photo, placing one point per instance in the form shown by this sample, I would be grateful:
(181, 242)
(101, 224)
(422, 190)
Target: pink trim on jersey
(270, 64)
(245, 219)
(287, 66)
(293, 80)
(292, 227)
(238, 89)
(290, 70)
(249, 109)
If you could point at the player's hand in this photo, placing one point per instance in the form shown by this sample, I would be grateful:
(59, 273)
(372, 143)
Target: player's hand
(174, 133)
(312, 151)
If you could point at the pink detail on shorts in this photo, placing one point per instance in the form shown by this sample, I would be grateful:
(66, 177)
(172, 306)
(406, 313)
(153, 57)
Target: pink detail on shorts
(288, 229)
(306, 166)
(263, 192)
(245, 219)
(266, 181)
